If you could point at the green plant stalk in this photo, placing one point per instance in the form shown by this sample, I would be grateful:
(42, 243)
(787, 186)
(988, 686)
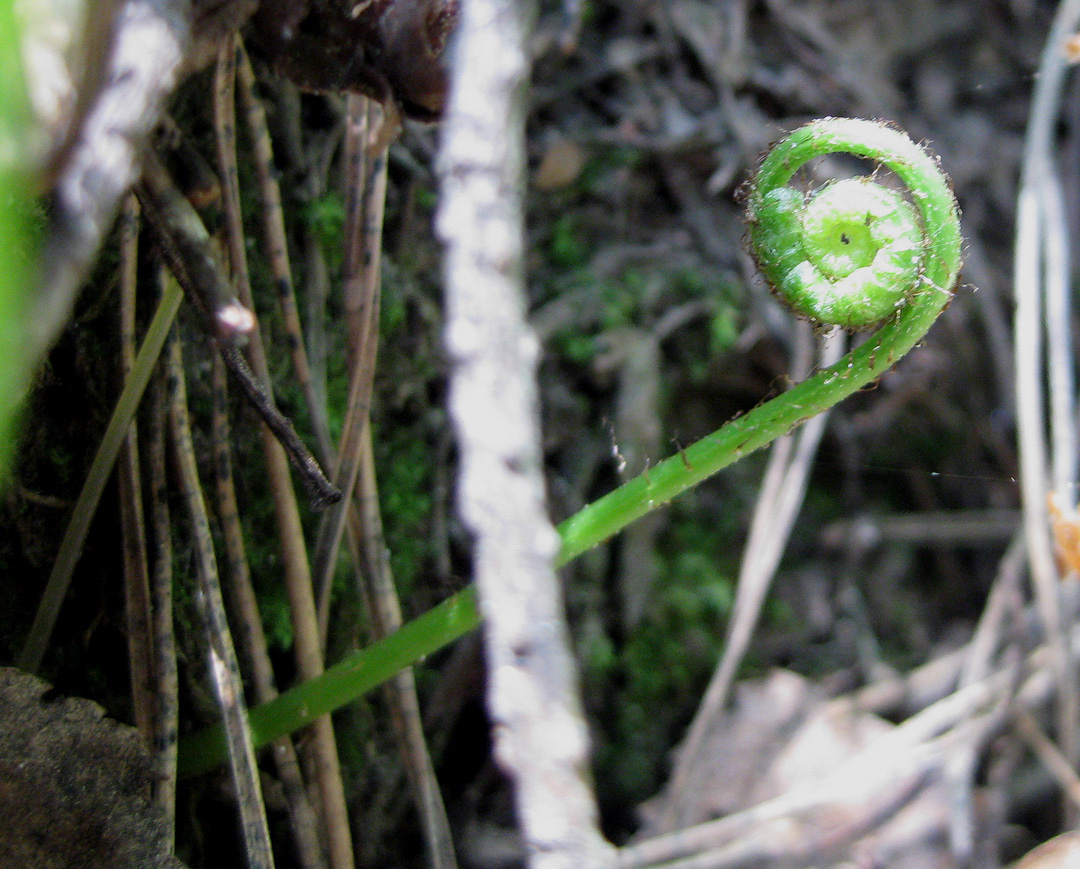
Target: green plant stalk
(340, 684)
(96, 479)
(932, 197)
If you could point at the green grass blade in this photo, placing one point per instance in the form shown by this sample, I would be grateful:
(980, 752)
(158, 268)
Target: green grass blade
(96, 479)
(340, 684)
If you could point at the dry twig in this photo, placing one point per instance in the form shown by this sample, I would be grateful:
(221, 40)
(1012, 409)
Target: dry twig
(129, 481)
(1038, 264)
(296, 569)
(783, 490)
(224, 670)
(540, 736)
(149, 41)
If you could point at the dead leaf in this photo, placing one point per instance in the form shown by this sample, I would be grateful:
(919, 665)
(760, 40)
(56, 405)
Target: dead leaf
(560, 166)
(1065, 525)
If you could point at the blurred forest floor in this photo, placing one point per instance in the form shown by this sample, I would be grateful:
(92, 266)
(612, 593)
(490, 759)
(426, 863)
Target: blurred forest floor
(644, 120)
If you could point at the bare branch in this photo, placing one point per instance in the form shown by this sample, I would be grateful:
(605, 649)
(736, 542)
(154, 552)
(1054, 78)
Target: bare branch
(149, 42)
(540, 735)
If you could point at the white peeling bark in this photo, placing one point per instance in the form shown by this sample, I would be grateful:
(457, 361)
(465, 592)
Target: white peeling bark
(539, 731)
(149, 42)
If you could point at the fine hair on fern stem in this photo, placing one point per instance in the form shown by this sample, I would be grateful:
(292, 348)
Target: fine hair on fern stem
(835, 283)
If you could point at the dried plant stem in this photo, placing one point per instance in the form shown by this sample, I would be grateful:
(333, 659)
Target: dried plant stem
(781, 496)
(132, 530)
(365, 195)
(385, 612)
(161, 596)
(1038, 263)
(277, 248)
(224, 671)
(254, 651)
(363, 266)
(365, 180)
(365, 183)
(365, 186)
(920, 746)
(1051, 758)
(307, 648)
(185, 244)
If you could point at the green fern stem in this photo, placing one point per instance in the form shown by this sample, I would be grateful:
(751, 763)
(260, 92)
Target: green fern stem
(905, 317)
(925, 239)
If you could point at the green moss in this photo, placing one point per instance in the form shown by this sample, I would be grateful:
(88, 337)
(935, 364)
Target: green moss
(326, 218)
(405, 469)
(568, 246)
(576, 347)
(393, 313)
(427, 197)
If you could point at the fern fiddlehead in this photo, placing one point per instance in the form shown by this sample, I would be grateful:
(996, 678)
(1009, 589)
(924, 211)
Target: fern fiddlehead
(854, 267)
(853, 252)
(869, 265)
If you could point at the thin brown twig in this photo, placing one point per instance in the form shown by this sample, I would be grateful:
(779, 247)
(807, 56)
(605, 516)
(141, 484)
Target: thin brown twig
(1005, 600)
(132, 530)
(277, 248)
(161, 596)
(363, 268)
(296, 569)
(1034, 264)
(385, 609)
(307, 647)
(364, 181)
(240, 596)
(363, 221)
(185, 244)
(224, 670)
(363, 246)
(363, 243)
(1055, 763)
(782, 493)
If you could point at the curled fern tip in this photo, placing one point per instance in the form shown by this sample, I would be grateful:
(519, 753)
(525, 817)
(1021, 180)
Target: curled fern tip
(854, 253)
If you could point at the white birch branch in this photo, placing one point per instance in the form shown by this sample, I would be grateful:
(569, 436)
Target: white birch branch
(539, 732)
